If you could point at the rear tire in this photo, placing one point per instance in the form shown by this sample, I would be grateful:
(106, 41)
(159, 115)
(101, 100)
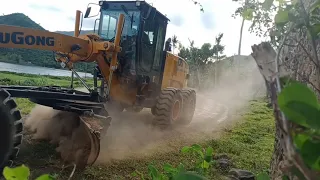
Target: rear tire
(189, 106)
(168, 108)
(11, 128)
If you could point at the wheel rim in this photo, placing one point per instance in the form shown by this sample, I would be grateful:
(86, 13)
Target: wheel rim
(176, 110)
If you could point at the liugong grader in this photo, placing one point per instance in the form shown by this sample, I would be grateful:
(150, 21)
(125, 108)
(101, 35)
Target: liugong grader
(133, 68)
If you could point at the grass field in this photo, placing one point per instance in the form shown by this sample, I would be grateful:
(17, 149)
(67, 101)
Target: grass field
(248, 144)
(10, 78)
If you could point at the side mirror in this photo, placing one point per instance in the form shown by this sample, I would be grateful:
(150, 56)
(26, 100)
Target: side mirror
(87, 12)
(89, 8)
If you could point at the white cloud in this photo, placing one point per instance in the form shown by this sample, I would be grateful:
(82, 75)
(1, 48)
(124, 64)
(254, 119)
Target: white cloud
(58, 15)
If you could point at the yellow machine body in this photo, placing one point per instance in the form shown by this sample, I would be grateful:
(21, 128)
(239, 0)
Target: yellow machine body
(176, 71)
(163, 89)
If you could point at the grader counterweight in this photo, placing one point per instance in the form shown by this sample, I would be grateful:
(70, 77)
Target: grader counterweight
(134, 70)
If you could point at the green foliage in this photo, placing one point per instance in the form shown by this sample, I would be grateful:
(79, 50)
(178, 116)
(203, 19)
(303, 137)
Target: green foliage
(247, 14)
(203, 158)
(285, 12)
(259, 13)
(300, 104)
(22, 173)
(281, 17)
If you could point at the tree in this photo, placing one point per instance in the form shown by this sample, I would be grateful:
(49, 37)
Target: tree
(218, 48)
(256, 12)
(294, 33)
(202, 61)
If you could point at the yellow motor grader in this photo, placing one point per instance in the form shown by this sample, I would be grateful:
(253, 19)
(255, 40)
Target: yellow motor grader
(133, 69)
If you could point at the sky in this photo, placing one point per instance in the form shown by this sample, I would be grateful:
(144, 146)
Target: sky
(186, 20)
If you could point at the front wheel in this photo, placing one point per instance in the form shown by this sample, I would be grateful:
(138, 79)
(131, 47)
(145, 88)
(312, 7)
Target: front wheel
(10, 129)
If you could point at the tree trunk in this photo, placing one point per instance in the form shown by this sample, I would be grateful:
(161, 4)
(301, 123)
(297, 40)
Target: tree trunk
(240, 40)
(263, 53)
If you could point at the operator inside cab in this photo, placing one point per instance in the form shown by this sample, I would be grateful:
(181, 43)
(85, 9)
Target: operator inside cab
(168, 45)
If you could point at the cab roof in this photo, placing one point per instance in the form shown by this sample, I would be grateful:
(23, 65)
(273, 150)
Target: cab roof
(130, 5)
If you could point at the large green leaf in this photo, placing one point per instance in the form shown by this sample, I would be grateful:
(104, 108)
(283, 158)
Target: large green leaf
(18, 173)
(300, 139)
(267, 4)
(296, 95)
(307, 112)
(282, 17)
(310, 153)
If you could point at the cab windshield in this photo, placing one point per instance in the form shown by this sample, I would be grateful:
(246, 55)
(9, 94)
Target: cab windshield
(109, 20)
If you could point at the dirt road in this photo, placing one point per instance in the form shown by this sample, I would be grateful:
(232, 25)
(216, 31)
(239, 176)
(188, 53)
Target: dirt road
(131, 134)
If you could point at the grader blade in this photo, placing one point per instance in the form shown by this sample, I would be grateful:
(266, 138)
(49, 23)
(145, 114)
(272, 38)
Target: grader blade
(96, 127)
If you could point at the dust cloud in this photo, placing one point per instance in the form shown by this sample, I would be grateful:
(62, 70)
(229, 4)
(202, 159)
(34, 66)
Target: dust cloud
(131, 134)
(61, 128)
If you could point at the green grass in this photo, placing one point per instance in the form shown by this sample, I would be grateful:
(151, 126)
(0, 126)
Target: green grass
(10, 78)
(24, 105)
(250, 143)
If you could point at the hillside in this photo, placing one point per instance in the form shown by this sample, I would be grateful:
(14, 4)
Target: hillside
(71, 33)
(28, 56)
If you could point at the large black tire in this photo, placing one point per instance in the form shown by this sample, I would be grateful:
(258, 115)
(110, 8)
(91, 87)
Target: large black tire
(168, 108)
(189, 106)
(11, 128)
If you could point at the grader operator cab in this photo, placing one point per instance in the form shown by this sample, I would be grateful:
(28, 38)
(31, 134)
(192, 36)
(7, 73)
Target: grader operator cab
(133, 72)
